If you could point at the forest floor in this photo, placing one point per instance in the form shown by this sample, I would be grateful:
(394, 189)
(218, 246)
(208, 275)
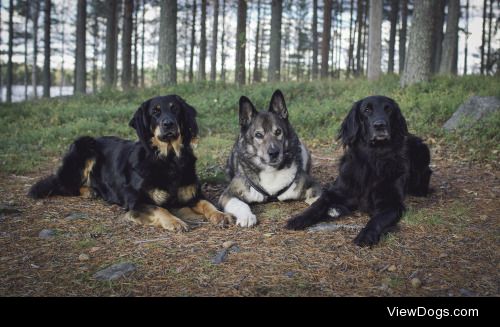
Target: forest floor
(449, 241)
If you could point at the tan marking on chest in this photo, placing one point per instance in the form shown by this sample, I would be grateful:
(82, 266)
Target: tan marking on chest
(89, 165)
(186, 193)
(158, 196)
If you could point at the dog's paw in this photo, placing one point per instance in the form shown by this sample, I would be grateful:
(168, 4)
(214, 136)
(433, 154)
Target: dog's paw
(297, 223)
(174, 224)
(246, 219)
(221, 219)
(367, 237)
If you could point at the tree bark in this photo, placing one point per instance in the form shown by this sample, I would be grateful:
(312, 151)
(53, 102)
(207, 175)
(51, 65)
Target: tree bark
(193, 42)
(34, 75)
(46, 52)
(111, 42)
(95, 45)
(80, 60)
(325, 40)
(350, 51)
(143, 21)
(437, 34)
(483, 37)
(256, 74)
(241, 42)
(26, 20)
(213, 52)
(402, 35)
(375, 40)
(489, 61)
(203, 42)
(393, 18)
(167, 71)
(135, 69)
(274, 70)
(10, 52)
(222, 42)
(128, 9)
(466, 47)
(359, 20)
(450, 43)
(315, 46)
(418, 63)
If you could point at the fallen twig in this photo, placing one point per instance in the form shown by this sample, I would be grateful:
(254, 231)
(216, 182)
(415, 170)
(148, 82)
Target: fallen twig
(152, 240)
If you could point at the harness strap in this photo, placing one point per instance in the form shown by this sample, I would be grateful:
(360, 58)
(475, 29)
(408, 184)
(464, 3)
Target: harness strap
(271, 198)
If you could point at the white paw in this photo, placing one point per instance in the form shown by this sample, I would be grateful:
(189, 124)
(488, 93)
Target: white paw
(242, 212)
(334, 213)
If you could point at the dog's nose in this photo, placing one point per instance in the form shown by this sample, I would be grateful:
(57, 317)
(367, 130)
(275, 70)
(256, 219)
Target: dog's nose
(379, 124)
(273, 153)
(167, 124)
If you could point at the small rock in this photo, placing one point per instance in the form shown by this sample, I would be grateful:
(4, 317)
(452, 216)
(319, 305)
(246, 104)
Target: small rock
(228, 244)
(290, 274)
(46, 233)
(391, 268)
(443, 255)
(115, 271)
(8, 209)
(466, 292)
(83, 257)
(415, 282)
(76, 215)
(329, 227)
(471, 111)
(268, 234)
(220, 257)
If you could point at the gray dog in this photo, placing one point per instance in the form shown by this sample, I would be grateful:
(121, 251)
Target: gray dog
(268, 162)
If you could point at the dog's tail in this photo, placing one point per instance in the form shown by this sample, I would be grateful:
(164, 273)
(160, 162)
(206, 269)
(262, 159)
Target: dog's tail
(72, 175)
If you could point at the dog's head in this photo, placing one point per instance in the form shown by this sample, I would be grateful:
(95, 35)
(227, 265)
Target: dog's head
(165, 123)
(265, 132)
(375, 120)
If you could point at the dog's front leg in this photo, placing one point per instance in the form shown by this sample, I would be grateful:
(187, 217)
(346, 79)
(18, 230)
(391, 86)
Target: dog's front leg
(209, 211)
(156, 216)
(236, 206)
(378, 225)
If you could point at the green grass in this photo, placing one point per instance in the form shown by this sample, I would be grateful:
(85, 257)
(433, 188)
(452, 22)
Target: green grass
(35, 132)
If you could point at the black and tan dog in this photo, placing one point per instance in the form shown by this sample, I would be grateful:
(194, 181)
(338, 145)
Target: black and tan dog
(268, 162)
(381, 165)
(148, 178)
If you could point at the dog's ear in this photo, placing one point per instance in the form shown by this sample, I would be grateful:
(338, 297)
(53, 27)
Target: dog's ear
(398, 122)
(278, 105)
(141, 123)
(350, 128)
(188, 122)
(247, 112)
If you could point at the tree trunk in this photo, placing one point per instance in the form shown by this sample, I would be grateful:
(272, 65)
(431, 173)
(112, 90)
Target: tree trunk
(80, 59)
(26, 20)
(450, 43)
(315, 40)
(466, 50)
(375, 40)
(393, 18)
(95, 45)
(256, 74)
(34, 79)
(46, 53)
(359, 19)
(167, 72)
(213, 52)
(489, 59)
(135, 69)
(127, 44)
(142, 40)
(10, 51)
(483, 38)
(351, 41)
(402, 35)
(63, 37)
(111, 43)
(241, 42)
(203, 42)
(193, 42)
(222, 41)
(418, 63)
(274, 70)
(364, 49)
(437, 34)
(325, 40)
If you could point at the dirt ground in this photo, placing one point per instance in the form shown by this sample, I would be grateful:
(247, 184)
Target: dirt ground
(449, 241)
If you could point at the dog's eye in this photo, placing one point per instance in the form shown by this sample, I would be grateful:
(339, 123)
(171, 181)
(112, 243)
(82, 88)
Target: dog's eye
(259, 135)
(156, 110)
(368, 109)
(388, 109)
(277, 132)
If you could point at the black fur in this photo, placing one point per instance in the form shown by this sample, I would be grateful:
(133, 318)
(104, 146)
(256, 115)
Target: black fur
(382, 163)
(124, 171)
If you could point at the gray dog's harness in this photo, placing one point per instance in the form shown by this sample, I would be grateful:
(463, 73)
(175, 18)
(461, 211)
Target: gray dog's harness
(271, 198)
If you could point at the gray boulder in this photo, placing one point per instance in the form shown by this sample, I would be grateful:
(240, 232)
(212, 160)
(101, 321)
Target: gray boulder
(115, 271)
(474, 109)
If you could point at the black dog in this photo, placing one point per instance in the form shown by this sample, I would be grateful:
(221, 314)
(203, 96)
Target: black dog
(382, 163)
(144, 177)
